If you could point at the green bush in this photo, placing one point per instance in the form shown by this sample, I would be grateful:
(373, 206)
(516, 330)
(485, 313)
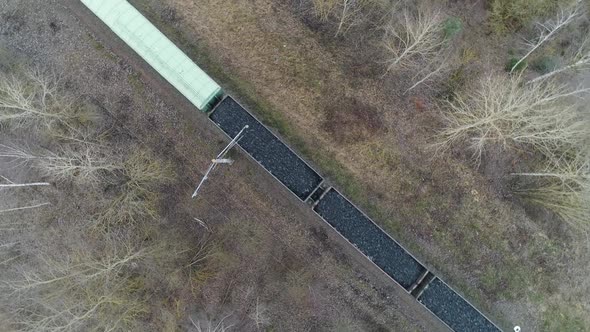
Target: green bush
(451, 27)
(544, 64)
(513, 60)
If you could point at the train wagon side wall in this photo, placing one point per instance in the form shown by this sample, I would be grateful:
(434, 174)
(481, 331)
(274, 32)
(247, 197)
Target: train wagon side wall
(157, 50)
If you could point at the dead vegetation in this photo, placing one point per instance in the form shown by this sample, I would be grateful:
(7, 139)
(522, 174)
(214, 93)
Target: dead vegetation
(33, 99)
(548, 29)
(544, 117)
(349, 120)
(69, 276)
(84, 163)
(418, 41)
(186, 276)
(512, 15)
(79, 288)
(563, 187)
(576, 61)
(505, 111)
(414, 39)
(137, 197)
(346, 13)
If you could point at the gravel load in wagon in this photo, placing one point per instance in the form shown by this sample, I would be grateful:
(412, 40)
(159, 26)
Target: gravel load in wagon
(452, 309)
(266, 148)
(369, 239)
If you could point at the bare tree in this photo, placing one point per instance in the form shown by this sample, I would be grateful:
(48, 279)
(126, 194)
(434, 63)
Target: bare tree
(66, 276)
(542, 115)
(547, 30)
(349, 13)
(84, 162)
(20, 185)
(76, 289)
(435, 68)
(505, 111)
(29, 207)
(11, 184)
(346, 12)
(419, 36)
(210, 325)
(33, 99)
(580, 60)
(6, 256)
(15, 215)
(92, 164)
(563, 187)
(260, 315)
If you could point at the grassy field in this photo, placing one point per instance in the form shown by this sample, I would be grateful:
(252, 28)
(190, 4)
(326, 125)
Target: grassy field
(512, 259)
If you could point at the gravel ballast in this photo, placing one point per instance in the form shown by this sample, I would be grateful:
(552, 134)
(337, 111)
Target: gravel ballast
(369, 239)
(452, 309)
(266, 148)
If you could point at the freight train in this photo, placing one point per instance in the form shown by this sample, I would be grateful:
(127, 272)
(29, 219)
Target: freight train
(288, 168)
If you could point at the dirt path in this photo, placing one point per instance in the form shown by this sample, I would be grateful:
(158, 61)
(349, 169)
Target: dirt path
(405, 304)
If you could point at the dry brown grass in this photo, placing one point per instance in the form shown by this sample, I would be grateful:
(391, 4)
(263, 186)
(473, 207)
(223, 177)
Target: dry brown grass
(348, 120)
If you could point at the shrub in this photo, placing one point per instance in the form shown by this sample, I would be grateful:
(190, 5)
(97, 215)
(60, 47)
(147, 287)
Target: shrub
(451, 27)
(511, 15)
(347, 13)
(137, 200)
(454, 83)
(514, 61)
(324, 8)
(544, 64)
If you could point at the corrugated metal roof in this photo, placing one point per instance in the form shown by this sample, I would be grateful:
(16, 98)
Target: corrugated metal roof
(157, 50)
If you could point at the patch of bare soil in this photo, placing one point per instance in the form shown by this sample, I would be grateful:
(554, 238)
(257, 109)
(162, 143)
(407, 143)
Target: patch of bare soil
(348, 120)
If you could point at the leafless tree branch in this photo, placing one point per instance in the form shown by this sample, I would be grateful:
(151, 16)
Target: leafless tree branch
(548, 29)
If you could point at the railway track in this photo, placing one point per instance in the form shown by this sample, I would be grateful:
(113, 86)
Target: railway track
(289, 169)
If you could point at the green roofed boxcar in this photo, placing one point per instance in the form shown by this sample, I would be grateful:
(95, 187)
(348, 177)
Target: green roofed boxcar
(157, 50)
